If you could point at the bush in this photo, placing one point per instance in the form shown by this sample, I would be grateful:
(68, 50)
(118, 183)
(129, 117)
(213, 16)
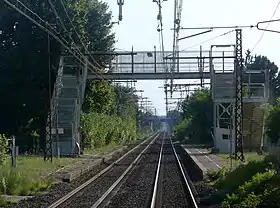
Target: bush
(256, 184)
(3, 201)
(253, 192)
(216, 175)
(181, 130)
(101, 129)
(272, 119)
(3, 146)
(241, 174)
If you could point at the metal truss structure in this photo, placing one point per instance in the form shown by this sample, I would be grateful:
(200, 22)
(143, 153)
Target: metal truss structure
(239, 97)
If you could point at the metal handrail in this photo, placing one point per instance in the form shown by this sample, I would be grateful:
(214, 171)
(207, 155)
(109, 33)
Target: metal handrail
(57, 89)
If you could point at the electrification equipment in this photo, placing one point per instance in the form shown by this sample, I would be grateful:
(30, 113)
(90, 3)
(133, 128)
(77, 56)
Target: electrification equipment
(120, 3)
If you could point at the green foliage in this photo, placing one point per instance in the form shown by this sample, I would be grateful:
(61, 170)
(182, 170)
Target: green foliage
(254, 184)
(100, 97)
(101, 129)
(216, 175)
(27, 77)
(14, 182)
(126, 101)
(3, 146)
(241, 174)
(253, 192)
(182, 129)
(272, 121)
(3, 201)
(258, 62)
(197, 117)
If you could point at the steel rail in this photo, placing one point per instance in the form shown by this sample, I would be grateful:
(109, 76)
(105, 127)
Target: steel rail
(192, 198)
(87, 183)
(154, 197)
(109, 191)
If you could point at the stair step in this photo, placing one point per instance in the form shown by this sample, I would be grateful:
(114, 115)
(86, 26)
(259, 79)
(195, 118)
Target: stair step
(65, 117)
(69, 93)
(67, 125)
(70, 83)
(66, 102)
(73, 70)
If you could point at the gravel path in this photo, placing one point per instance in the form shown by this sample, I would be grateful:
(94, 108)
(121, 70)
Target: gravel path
(136, 191)
(61, 189)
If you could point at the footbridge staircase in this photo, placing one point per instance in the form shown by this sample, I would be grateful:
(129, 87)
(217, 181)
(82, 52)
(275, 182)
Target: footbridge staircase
(66, 105)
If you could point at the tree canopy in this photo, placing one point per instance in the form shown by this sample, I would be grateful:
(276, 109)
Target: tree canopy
(259, 62)
(24, 59)
(197, 115)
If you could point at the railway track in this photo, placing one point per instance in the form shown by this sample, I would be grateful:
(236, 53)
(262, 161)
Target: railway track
(172, 188)
(148, 176)
(92, 190)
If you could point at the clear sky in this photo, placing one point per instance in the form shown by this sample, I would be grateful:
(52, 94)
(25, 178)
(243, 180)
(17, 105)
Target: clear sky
(138, 29)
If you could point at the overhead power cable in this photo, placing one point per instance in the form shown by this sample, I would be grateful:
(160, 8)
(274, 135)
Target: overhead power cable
(223, 34)
(52, 32)
(79, 37)
(67, 32)
(261, 37)
(217, 27)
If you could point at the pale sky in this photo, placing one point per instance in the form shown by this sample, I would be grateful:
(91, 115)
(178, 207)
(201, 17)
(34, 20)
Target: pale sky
(138, 29)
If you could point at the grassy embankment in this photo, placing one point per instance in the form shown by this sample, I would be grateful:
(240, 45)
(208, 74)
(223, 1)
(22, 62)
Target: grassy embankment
(255, 183)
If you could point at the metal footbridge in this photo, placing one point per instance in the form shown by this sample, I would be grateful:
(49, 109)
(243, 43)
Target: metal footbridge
(154, 65)
(63, 124)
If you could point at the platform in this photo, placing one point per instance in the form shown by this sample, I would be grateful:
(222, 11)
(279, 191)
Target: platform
(202, 161)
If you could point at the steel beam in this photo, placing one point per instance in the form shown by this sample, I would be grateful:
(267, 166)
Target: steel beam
(150, 76)
(239, 155)
(48, 143)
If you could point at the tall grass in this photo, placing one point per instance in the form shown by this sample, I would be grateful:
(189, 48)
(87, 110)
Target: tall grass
(15, 182)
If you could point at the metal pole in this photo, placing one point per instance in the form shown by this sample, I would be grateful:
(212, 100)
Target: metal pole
(239, 155)
(48, 145)
(230, 137)
(56, 131)
(223, 61)
(132, 61)
(13, 152)
(155, 54)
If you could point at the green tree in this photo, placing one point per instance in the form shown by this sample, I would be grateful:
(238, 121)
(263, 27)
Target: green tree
(100, 97)
(197, 117)
(24, 59)
(272, 122)
(259, 62)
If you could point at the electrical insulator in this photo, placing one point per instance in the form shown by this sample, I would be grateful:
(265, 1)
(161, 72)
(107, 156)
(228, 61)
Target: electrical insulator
(120, 3)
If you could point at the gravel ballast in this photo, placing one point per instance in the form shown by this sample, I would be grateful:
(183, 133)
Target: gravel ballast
(172, 186)
(136, 190)
(88, 196)
(59, 190)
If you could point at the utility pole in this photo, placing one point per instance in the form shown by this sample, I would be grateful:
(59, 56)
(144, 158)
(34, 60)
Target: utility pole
(48, 145)
(239, 155)
(166, 100)
(13, 150)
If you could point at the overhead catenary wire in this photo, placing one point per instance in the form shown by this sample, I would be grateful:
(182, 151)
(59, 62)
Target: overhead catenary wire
(79, 37)
(66, 30)
(261, 37)
(217, 27)
(52, 32)
(218, 36)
